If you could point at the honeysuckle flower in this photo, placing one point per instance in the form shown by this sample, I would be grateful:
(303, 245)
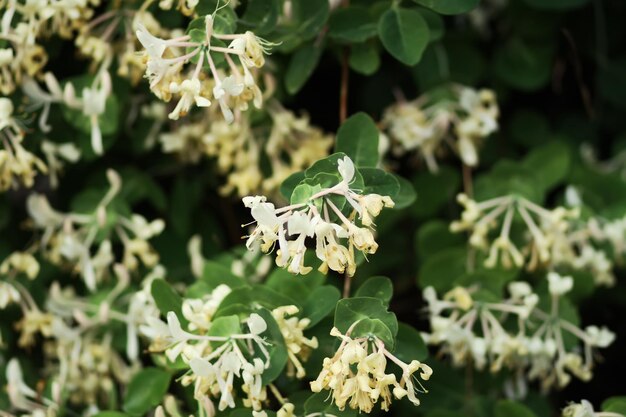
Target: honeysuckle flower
(167, 75)
(298, 346)
(69, 238)
(549, 241)
(215, 370)
(462, 121)
(559, 285)
(356, 374)
(473, 332)
(8, 295)
(20, 262)
(302, 220)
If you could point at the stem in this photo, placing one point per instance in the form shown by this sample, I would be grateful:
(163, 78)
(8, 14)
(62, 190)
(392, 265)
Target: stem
(343, 92)
(468, 185)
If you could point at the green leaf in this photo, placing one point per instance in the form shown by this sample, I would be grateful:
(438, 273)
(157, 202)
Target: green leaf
(351, 24)
(358, 137)
(509, 408)
(317, 403)
(351, 310)
(615, 405)
(261, 15)
(556, 4)
(524, 66)
(435, 190)
(256, 295)
(374, 327)
(376, 287)
(406, 194)
(449, 6)
(550, 163)
(309, 16)
(290, 285)
(167, 299)
(320, 303)
(110, 414)
(442, 269)
(290, 183)
(380, 182)
(409, 344)
(364, 58)
(215, 274)
(435, 236)
(277, 348)
(146, 390)
(404, 34)
(301, 66)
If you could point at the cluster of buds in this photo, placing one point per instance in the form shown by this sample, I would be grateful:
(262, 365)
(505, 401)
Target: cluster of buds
(290, 144)
(296, 137)
(199, 311)
(92, 103)
(546, 230)
(70, 238)
(215, 361)
(17, 165)
(357, 374)
(585, 409)
(478, 333)
(166, 62)
(612, 232)
(26, 399)
(78, 352)
(23, 23)
(298, 346)
(424, 124)
(312, 219)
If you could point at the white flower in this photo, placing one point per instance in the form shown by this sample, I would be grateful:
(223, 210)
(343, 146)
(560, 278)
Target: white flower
(599, 336)
(582, 409)
(154, 46)
(346, 169)
(256, 324)
(559, 285)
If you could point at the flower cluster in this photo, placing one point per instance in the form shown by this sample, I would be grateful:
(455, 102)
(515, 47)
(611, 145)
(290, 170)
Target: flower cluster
(18, 166)
(552, 238)
(78, 353)
(479, 332)
(298, 346)
(166, 63)
(585, 409)
(290, 143)
(215, 361)
(357, 374)
(70, 239)
(23, 23)
(462, 120)
(312, 219)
